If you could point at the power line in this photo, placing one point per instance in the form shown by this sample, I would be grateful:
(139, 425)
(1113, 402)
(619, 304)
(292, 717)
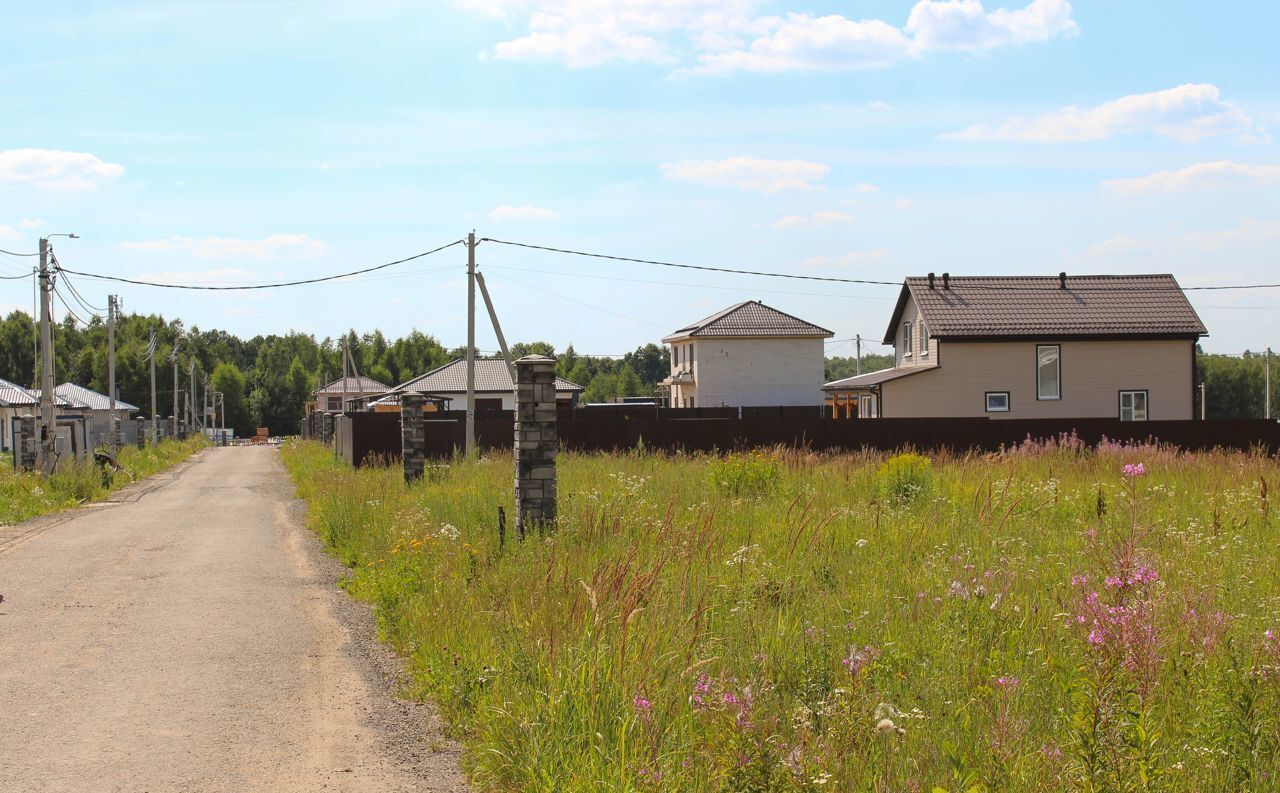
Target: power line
(67, 306)
(12, 253)
(14, 277)
(866, 282)
(205, 288)
(66, 280)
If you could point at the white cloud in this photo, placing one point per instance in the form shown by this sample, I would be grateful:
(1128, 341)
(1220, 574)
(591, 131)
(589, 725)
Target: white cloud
(732, 35)
(296, 246)
(30, 223)
(965, 25)
(903, 203)
(1188, 113)
(8, 232)
(1250, 235)
(523, 213)
(866, 188)
(747, 173)
(49, 169)
(790, 221)
(850, 259)
(1201, 176)
(825, 217)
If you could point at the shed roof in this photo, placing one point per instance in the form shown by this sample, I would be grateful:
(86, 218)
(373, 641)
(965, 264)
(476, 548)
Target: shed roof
(14, 395)
(1082, 306)
(354, 385)
(90, 399)
(750, 319)
(871, 379)
(491, 376)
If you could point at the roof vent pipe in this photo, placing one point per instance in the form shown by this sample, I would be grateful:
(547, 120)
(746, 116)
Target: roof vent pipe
(946, 280)
(930, 280)
(1062, 280)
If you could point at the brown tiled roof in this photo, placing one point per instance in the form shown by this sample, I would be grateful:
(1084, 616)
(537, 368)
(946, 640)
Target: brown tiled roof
(1103, 306)
(355, 385)
(492, 376)
(875, 378)
(750, 319)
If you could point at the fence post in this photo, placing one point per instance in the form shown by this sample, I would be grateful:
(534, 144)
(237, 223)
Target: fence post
(326, 428)
(413, 436)
(141, 440)
(536, 443)
(25, 448)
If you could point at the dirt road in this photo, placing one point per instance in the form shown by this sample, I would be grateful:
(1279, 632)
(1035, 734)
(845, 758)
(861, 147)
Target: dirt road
(189, 637)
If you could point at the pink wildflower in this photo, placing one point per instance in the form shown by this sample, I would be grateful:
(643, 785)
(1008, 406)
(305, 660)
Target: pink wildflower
(641, 705)
(1097, 636)
(1133, 471)
(1079, 580)
(1114, 582)
(1007, 682)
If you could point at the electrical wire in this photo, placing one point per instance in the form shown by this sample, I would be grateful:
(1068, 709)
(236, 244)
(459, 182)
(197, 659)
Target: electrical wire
(67, 307)
(866, 282)
(66, 281)
(247, 287)
(12, 253)
(14, 277)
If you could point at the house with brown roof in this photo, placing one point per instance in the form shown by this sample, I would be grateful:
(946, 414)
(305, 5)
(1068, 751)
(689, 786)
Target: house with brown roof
(747, 355)
(1094, 346)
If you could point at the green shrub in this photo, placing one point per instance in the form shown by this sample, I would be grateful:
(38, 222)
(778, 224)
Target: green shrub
(903, 477)
(749, 474)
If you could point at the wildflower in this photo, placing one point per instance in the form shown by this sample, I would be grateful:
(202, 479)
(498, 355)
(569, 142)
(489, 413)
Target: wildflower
(1133, 471)
(1007, 682)
(641, 705)
(1049, 752)
(1079, 580)
(857, 660)
(1097, 636)
(1114, 582)
(1269, 635)
(887, 727)
(1143, 575)
(861, 543)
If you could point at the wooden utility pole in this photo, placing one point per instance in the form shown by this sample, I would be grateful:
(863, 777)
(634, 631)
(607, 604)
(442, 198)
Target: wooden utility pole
(471, 345)
(1267, 401)
(174, 357)
(111, 372)
(151, 354)
(48, 432)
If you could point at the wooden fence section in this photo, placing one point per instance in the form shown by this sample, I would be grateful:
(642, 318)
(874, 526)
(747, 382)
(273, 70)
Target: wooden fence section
(366, 437)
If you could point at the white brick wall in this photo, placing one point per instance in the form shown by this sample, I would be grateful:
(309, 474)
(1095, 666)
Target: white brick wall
(758, 372)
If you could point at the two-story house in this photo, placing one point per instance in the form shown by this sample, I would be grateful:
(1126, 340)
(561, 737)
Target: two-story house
(747, 355)
(1095, 346)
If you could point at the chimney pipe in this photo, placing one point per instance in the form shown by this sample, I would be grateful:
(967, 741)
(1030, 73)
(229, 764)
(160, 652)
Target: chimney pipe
(930, 280)
(946, 280)
(1062, 280)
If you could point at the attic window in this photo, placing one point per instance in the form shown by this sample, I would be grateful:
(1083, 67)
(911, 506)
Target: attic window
(924, 340)
(906, 340)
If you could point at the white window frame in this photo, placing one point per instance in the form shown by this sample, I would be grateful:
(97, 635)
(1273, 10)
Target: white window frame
(1008, 405)
(1040, 395)
(924, 340)
(1133, 411)
(866, 406)
(907, 346)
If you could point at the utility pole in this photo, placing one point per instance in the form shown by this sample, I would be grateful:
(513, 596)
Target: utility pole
(35, 326)
(151, 346)
(111, 372)
(46, 362)
(191, 395)
(1267, 401)
(1202, 401)
(471, 345)
(859, 340)
(174, 357)
(204, 404)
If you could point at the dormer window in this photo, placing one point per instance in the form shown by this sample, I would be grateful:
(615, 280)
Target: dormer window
(906, 340)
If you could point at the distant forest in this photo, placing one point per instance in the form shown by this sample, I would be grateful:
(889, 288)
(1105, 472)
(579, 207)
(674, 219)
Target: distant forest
(268, 380)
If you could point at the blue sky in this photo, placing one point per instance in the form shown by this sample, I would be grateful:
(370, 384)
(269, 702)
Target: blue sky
(216, 142)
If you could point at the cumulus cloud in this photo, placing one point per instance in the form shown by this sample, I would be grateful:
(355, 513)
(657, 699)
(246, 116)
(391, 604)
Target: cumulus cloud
(866, 188)
(15, 231)
(276, 246)
(1250, 235)
(850, 259)
(822, 218)
(1188, 113)
(748, 173)
(524, 212)
(722, 36)
(1201, 176)
(49, 169)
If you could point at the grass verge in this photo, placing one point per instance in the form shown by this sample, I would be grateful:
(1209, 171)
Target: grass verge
(1043, 619)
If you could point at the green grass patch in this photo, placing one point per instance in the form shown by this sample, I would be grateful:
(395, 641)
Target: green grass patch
(26, 495)
(1035, 620)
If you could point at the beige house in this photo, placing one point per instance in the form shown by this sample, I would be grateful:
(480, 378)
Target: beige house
(747, 355)
(330, 396)
(494, 387)
(1094, 346)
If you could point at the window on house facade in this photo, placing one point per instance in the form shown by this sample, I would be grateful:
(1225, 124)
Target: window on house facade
(866, 407)
(1133, 405)
(924, 340)
(335, 403)
(906, 340)
(997, 401)
(675, 355)
(1048, 371)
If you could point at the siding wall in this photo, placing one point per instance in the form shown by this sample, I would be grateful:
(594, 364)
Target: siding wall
(758, 372)
(1093, 373)
(919, 356)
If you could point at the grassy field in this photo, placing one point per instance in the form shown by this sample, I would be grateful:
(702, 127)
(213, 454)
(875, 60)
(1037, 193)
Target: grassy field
(27, 495)
(1045, 619)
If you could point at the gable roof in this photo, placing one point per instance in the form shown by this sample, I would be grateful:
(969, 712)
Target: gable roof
(355, 385)
(1089, 306)
(750, 319)
(59, 400)
(88, 398)
(491, 376)
(14, 395)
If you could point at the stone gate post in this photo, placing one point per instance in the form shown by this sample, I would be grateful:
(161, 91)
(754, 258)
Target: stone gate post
(536, 443)
(413, 436)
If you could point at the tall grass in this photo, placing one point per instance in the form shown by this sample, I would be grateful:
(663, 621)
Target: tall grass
(1035, 620)
(27, 495)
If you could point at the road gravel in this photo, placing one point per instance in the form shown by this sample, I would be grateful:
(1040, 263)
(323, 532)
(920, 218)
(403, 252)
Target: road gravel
(188, 635)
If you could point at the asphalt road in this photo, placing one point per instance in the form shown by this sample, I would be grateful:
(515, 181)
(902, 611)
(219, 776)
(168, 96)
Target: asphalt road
(189, 636)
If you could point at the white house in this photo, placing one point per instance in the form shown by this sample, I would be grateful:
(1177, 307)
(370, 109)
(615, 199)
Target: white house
(494, 387)
(749, 355)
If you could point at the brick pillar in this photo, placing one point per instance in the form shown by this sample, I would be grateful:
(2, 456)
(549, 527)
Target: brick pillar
(141, 425)
(25, 448)
(182, 430)
(326, 428)
(117, 435)
(536, 443)
(413, 436)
